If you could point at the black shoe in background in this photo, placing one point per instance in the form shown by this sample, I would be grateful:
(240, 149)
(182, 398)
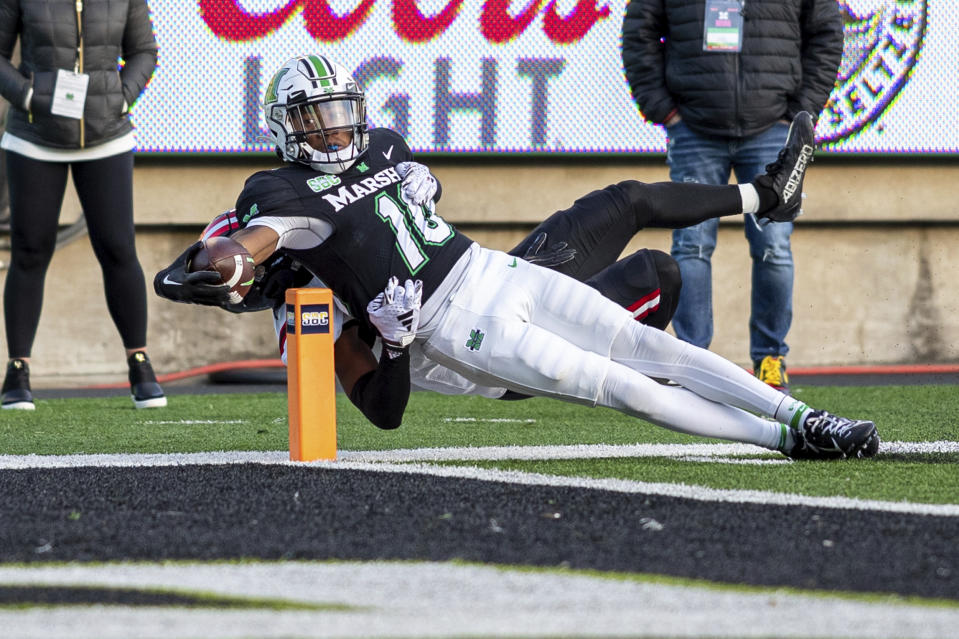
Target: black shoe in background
(16, 386)
(144, 389)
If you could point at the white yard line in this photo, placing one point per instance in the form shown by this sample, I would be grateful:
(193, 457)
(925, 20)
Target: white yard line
(413, 599)
(465, 453)
(191, 422)
(410, 461)
(489, 420)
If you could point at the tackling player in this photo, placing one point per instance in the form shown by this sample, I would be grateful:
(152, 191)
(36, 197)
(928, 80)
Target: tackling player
(342, 208)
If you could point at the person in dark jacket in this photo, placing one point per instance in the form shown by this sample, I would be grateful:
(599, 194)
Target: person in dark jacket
(726, 77)
(69, 111)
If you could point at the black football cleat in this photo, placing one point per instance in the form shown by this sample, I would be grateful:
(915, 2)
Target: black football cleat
(16, 387)
(144, 389)
(827, 436)
(785, 176)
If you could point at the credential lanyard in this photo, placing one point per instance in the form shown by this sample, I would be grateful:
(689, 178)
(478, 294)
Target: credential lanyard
(723, 26)
(78, 65)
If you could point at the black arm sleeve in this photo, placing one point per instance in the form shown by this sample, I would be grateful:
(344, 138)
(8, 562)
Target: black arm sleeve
(382, 394)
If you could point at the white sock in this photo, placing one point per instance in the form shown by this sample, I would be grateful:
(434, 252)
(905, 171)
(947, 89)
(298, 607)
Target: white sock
(750, 198)
(787, 441)
(791, 411)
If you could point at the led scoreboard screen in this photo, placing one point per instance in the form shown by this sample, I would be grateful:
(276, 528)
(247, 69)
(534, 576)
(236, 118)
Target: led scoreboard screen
(521, 76)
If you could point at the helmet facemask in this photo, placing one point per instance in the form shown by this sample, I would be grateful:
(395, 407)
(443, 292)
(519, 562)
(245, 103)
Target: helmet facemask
(330, 131)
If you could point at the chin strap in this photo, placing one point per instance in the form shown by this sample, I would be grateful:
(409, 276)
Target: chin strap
(321, 161)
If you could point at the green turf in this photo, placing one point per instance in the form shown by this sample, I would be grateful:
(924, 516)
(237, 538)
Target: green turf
(195, 423)
(190, 423)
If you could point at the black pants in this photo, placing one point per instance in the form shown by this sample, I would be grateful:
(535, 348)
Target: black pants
(601, 223)
(105, 189)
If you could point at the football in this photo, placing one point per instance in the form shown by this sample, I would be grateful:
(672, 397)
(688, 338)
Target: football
(228, 258)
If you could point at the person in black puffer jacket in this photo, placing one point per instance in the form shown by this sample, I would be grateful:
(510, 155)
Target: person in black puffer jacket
(726, 77)
(69, 111)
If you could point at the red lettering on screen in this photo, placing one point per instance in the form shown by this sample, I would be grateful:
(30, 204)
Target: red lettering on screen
(326, 26)
(574, 26)
(229, 21)
(413, 26)
(497, 25)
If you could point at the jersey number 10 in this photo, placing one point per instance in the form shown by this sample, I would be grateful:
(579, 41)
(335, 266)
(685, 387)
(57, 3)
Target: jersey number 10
(414, 228)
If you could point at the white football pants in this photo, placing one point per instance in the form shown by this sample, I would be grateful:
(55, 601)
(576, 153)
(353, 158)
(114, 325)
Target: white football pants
(510, 323)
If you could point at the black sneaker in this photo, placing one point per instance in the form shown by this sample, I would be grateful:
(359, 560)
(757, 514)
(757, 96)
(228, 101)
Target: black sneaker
(785, 176)
(16, 386)
(827, 436)
(145, 390)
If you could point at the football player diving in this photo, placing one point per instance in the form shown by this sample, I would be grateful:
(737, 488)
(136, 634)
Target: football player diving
(594, 231)
(350, 208)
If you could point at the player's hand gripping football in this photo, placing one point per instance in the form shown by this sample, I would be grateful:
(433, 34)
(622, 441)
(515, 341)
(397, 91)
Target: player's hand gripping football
(396, 314)
(200, 287)
(419, 185)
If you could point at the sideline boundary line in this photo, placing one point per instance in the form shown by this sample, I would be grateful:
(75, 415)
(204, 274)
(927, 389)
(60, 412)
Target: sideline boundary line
(452, 453)
(366, 461)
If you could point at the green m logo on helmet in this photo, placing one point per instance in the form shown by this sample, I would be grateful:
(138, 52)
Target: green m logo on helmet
(270, 96)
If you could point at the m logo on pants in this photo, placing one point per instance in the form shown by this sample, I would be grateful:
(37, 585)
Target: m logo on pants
(475, 340)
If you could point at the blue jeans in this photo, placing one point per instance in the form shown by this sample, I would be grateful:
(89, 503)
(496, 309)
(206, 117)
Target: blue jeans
(710, 160)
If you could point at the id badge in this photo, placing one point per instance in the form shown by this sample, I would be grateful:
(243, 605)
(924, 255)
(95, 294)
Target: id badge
(69, 94)
(723, 26)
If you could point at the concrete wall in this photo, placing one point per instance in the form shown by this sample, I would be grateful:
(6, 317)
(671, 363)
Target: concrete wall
(875, 258)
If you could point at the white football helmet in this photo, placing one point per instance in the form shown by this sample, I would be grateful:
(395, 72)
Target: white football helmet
(316, 113)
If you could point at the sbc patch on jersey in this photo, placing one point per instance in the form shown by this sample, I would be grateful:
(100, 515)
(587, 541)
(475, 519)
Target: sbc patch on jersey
(321, 183)
(314, 318)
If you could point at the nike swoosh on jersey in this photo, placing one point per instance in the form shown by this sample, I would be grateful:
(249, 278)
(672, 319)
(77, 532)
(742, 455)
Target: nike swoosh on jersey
(388, 152)
(167, 280)
(513, 265)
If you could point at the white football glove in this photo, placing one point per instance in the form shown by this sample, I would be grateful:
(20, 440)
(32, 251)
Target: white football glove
(419, 185)
(396, 314)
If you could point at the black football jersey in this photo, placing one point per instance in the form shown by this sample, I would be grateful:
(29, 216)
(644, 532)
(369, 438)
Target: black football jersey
(376, 233)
